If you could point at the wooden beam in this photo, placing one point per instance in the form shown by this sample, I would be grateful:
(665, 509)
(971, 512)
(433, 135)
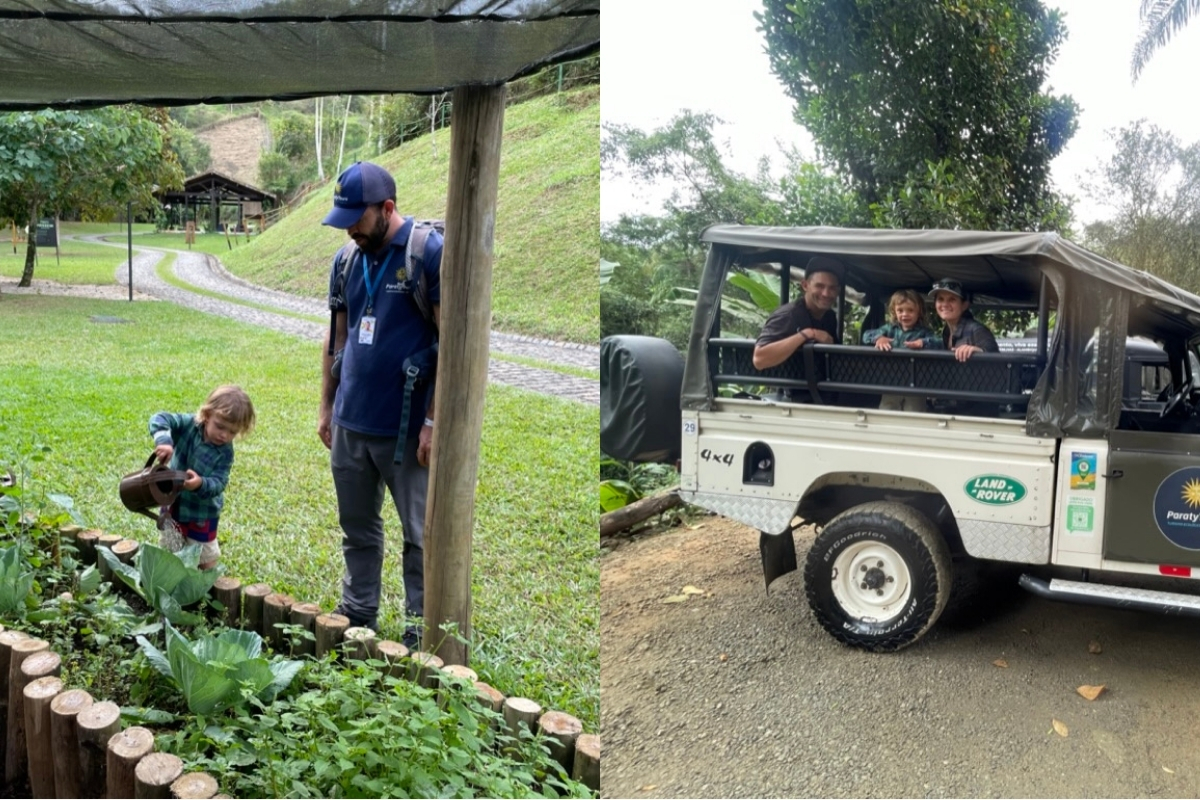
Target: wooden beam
(466, 305)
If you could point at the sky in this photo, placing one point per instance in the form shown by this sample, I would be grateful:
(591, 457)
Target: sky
(705, 55)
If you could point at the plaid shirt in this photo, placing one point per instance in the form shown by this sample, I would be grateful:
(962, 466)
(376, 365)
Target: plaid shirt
(210, 462)
(899, 336)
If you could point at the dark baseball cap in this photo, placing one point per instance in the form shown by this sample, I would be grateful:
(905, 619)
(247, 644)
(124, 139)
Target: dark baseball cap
(824, 264)
(362, 184)
(947, 285)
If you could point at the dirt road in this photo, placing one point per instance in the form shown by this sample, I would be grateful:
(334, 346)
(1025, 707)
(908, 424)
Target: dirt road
(737, 693)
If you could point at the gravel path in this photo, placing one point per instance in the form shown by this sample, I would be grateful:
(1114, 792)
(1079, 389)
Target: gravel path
(206, 272)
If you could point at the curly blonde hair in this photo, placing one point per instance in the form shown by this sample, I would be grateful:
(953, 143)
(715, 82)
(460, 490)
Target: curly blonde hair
(232, 406)
(908, 296)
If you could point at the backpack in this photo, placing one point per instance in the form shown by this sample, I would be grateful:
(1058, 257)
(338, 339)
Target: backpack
(414, 254)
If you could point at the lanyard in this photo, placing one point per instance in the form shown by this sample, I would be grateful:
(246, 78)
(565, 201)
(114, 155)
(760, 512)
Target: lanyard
(370, 285)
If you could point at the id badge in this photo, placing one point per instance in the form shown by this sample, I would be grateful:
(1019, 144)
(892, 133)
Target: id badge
(366, 330)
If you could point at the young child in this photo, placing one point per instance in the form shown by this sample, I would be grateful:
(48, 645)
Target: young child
(201, 444)
(907, 329)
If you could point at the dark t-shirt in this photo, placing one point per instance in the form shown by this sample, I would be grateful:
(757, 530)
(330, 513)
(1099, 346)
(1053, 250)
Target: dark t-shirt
(792, 317)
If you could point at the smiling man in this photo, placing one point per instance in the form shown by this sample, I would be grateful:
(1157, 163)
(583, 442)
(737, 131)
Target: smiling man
(809, 319)
(379, 430)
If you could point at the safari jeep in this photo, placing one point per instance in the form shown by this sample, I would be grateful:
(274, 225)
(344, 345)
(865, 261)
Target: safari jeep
(1070, 457)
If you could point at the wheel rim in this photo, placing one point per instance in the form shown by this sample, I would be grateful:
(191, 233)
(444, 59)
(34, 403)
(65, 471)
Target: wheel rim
(871, 582)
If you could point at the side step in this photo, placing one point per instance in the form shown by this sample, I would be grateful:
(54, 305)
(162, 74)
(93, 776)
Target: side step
(1099, 594)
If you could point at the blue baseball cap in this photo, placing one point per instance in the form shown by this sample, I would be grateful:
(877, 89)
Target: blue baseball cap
(362, 184)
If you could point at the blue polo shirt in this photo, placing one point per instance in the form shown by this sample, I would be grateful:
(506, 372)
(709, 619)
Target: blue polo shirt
(370, 395)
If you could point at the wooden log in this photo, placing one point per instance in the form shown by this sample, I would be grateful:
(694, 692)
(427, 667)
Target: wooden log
(125, 750)
(330, 630)
(96, 724)
(395, 654)
(38, 695)
(424, 668)
(561, 730)
(16, 751)
(360, 644)
(70, 534)
(125, 550)
(586, 768)
(275, 612)
(632, 514)
(490, 696)
(228, 592)
(451, 676)
(154, 774)
(86, 542)
(7, 639)
(252, 606)
(106, 541)
(460, 673)
(64, 740)
(520, 712)
(305, 615)
(195, 785)
(466, 307)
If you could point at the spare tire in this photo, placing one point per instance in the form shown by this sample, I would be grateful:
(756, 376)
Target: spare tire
(641, 378)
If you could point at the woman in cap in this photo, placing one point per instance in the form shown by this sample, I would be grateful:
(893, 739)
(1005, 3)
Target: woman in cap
(963, 334)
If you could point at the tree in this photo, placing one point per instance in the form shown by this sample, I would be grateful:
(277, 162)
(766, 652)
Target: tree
(913, 100)
(1160, 20)
(89, 160)
(1153, 184)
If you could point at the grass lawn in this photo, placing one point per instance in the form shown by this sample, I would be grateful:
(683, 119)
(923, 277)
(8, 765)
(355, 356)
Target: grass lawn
(87, 390)
(214, 243)
(76, 263)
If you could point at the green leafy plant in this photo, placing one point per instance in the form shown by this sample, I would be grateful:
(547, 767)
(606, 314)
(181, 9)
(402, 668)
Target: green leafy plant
(216, 672)
(616, 494)
(167, 581)
(16, 581)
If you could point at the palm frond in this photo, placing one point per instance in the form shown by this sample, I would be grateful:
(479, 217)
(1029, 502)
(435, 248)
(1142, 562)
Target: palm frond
(1161, 19)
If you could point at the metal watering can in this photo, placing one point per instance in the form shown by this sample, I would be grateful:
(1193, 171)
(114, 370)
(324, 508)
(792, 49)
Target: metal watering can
(152, 486)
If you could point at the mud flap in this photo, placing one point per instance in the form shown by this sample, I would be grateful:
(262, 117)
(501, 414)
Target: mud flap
(778, 555)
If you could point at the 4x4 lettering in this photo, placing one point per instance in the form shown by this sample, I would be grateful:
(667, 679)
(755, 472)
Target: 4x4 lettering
(709, 455)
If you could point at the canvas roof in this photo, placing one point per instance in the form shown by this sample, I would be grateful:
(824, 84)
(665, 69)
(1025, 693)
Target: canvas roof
(69, 53)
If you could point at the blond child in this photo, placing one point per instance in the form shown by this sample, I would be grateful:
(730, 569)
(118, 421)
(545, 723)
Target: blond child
(202, 445)
(908, 329)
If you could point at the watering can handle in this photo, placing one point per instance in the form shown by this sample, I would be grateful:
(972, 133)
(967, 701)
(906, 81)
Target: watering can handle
(150, 460)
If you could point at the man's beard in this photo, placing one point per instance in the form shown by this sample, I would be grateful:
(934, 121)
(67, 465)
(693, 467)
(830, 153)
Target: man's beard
(375, 240)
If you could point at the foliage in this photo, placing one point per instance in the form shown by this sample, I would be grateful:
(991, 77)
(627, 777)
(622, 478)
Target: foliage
(1152, 183)
(344, 734)
(934, 111)
(1160, 20)
(16, 581)
(193, 153)
(167, 581)
(216, 672)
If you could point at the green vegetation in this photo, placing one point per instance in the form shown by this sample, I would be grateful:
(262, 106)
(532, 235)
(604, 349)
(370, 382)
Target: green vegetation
(213, 243)
(86, 390)
(547, 220)
(81, 263)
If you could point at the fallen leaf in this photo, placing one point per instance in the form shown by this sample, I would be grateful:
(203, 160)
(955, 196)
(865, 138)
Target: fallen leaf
(692, 590)
(695, 527)
(1090, 692)
(1059, 727)
(1094, 647)
(650, 787)
(1001, 663)
(1168, 770)
(675, 598)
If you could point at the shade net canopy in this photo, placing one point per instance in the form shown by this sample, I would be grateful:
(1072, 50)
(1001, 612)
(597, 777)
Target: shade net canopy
(62, 54)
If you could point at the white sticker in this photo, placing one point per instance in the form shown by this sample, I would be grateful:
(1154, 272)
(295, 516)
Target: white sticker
(689, 427)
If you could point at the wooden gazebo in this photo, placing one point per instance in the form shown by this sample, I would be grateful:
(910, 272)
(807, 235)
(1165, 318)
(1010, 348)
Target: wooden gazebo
(81, 53)
(213, 191)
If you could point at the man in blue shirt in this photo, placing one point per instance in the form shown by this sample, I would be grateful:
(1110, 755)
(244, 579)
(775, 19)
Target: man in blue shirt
(377, 325)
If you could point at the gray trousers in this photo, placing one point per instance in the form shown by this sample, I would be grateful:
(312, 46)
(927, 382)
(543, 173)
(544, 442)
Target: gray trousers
(362, 466)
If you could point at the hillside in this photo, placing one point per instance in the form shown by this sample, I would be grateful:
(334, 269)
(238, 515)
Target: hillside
(236, 146)
(547, 221)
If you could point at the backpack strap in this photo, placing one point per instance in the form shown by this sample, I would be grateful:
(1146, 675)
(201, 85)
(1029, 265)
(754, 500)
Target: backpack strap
(342, 261)
(419, 370)
(414, 262)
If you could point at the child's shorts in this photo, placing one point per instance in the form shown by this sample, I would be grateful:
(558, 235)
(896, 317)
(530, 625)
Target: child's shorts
(175, 535)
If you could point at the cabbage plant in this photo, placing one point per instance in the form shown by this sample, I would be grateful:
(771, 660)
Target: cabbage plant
(212, 670)
(166, 581)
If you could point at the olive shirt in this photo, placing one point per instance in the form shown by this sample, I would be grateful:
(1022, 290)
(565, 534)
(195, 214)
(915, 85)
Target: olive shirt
(972, 332)
(792, 317)
(892, 330)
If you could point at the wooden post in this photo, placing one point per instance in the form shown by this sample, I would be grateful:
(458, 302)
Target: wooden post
(38, 695)
(305, 615)
(228, 592)
(106, 541)
(7, 640)
(154, 774)
(360, 644)
(490, 696)
(275, 612)
(424, 668)
(394, 653)
(462, 363)
(330, 629)
(16, 751)
(86, 542)
(96, 725)
(586, 769)
(199, 785)
(125, 750)
(561, 730)
(252, 606)
(64, 740)
(125, 550)
(520, 712)
(453, 675)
